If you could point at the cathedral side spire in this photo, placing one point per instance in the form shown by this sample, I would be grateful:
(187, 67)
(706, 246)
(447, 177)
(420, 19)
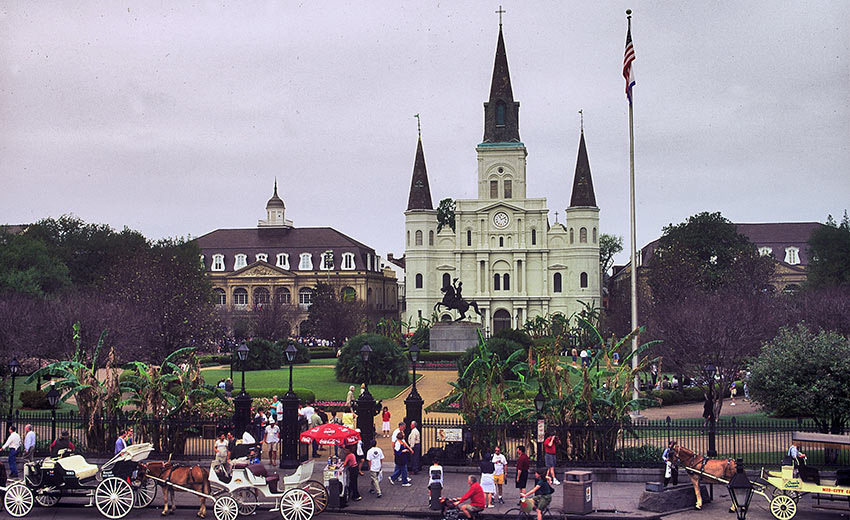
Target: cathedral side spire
(420, 192)
(582, 181)
(501, 112)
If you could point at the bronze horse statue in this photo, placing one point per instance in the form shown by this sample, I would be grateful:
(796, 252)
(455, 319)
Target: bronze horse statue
(192, 477)
(453, 299)
(699, 466)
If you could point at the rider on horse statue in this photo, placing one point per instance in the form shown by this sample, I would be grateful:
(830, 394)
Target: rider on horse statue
(453, 299)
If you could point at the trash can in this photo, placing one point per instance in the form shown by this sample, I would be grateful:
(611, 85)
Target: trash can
(578, 492)
(334, 492)
(436, 492)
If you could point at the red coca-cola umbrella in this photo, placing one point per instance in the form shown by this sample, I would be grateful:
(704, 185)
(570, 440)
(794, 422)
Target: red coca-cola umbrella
(331, 434)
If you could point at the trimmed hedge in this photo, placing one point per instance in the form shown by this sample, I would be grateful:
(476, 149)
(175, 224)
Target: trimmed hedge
(322, 354)
(35, 399)
(210, 360)
(691, 394)
(440, 356)
(304, 395)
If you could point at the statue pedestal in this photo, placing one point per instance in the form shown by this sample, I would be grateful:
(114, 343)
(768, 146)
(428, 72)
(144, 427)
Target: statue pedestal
(453, 336)
(672, 498)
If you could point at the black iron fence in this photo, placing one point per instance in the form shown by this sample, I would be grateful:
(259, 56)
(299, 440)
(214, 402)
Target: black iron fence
(635, 443)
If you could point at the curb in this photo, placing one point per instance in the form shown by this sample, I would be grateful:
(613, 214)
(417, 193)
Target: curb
(427, 513)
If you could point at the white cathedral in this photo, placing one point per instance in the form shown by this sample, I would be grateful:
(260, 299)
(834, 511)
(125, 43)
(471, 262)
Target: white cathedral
(511, 262)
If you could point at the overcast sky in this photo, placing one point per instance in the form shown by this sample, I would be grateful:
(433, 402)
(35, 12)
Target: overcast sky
(175, 119)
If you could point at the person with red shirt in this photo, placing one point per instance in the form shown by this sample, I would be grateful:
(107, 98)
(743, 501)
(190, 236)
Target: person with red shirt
(476, 498)
(550, 450)
(523, 463)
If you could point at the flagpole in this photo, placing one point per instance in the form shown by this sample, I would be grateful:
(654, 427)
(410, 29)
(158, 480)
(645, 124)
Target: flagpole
(633, 277)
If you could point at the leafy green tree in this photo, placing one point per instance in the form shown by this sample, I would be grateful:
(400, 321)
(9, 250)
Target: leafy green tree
(263, 355)
(829, 247)
(28, 267)
(803, 374)
(609, 245)
(388, 364)
(332, 316)
(446, 214)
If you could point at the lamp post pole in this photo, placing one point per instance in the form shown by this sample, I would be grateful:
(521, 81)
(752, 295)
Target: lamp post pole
(14, 368)
(366, 403)
(709, 372)
(289, 422)
(413, 403)
(242, 402)
(53, 400)
(539, 403)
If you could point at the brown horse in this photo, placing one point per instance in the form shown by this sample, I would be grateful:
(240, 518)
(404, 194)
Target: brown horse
(191, 477)
(703, 467)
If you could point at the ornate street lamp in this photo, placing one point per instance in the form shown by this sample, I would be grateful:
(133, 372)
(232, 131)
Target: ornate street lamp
(741, 490)
(539, 403)
(413, 403)
(709, 372)
(242, 402)
(14, 368)
(366, 403)
(289, 422)
(53, 400)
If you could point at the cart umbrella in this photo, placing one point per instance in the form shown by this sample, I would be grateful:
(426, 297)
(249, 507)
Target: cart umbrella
(331, 434)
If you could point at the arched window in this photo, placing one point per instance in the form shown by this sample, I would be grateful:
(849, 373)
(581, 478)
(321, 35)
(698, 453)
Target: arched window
(282, 295)
(533, 237)
(348, 294)
(447, 280)
(583, 280)
(217, 263)
(501, 241)
(418, 280)
(557, 284)
(582, 235)
(494, 189)
(408, 238)
(418, 236)
(261, 296)
(241, 261)
(431, 238)
(469, 237)
(594, 235)
(219, 297)
(497, 286)
(500, 113)
(509, 188)
(506, 282)
(305, 296)
(240, 297)
(572, 236)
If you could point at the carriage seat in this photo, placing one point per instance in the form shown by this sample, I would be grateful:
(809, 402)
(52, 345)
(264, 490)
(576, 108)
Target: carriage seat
(842, 477)
(809, 474)
(78, 465)
(259, 470)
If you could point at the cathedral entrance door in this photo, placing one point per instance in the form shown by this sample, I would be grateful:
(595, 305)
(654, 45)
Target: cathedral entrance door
(501, 320)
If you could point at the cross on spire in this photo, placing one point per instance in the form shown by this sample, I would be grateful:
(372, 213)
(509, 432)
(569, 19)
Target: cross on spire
(556, 217)
(499, 12)
(581, 116)
(418, 125)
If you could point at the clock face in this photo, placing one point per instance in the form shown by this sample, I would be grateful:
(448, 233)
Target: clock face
(501, 219)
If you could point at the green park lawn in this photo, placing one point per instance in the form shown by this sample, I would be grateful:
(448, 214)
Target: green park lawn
(318, 378)
(21, 387)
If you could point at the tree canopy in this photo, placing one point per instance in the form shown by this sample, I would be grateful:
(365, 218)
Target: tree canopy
(446, 214)
(609, 245)
(829, 248)
(333, 316)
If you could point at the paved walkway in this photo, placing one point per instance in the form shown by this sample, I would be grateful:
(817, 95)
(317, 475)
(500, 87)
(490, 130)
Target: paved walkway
(694, 410)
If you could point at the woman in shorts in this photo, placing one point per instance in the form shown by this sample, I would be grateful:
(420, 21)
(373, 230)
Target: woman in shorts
(385, 422)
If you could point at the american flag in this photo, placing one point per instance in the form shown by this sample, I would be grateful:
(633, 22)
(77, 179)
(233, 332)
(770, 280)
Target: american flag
(628, 58)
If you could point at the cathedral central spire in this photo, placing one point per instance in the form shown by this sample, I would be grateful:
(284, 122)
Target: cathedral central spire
(501, 112)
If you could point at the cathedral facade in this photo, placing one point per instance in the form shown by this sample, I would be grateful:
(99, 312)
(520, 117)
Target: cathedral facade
(503, 251)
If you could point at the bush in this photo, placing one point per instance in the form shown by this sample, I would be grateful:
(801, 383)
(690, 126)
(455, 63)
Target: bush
(517, 336)
(302, 356)
(440, 356)
(210, 360)
(35, 399)
(422, 337)
(388, 364)
(263, 355)
(322, 354)
(501, 346)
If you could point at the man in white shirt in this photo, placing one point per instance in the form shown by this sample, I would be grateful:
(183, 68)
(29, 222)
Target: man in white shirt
(29, 443)
(415, 441)
(13, 443)
(395, 433)
(272, 439)
(499, 465)
(375, 456)
(247, 438)
(307, 412)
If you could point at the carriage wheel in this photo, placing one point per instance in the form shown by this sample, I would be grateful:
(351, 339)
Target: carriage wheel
(319, 493)
(225, 508)
(297, 504)
(18, 500)
(795, 495)
(114, 498)
(783, 507)
(144, 493)
(247, 500)
(45, 498)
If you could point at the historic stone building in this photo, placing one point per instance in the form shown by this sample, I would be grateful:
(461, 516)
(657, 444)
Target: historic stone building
(249, 267)
(503, 250)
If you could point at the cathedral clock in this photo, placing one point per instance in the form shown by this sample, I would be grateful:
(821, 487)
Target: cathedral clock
(501, 220)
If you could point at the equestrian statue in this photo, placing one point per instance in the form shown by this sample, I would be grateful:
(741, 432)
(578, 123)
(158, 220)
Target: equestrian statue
(453, 299)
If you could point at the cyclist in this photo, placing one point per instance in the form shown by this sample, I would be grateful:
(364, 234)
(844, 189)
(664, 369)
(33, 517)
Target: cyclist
(542, 492)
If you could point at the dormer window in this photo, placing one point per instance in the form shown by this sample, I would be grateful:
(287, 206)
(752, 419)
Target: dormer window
(217, 263)
(306, 263)
(327, 261)
(282, 260)
(766, 251)
(792, 255)
(261, 257)
(241, 261)
(348, 261)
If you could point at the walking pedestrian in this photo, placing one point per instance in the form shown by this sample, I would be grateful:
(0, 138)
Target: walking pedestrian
(670, 469)
(523, 463)
(375, 456)
(222, 455)
(487, 482)
(349, 398)
(29, 443)
(120, 443)
(499, 465)
(272, 438)
(314, 420)
(352, 468)
(402, 454)
(550, 449)
(13, 443)
(415, 441)
(385, 422)
(273, 408)
(733, 392)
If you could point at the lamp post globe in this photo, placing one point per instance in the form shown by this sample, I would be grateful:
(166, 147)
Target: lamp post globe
(53, 399)
(14, 368)
(366, 403)
(740, 490)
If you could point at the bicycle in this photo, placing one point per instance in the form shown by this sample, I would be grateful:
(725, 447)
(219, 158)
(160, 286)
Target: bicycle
(525, 512)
